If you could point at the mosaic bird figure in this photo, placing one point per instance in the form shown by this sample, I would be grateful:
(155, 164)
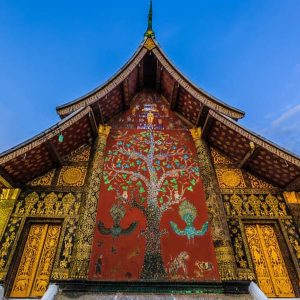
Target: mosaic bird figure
(117, 213)
(188, 213)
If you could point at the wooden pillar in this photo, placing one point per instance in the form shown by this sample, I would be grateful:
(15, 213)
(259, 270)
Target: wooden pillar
(217, 217)
(87, 221)
(8, 199)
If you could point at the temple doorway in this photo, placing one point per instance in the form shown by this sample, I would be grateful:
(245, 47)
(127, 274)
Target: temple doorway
(33, 275)
(270, 268)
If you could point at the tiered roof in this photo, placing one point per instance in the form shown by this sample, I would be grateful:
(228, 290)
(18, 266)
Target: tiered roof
(150, 69)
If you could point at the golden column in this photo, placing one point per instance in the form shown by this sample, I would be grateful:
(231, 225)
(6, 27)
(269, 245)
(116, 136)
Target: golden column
(87, 221)
(8, 199)
(217, 216)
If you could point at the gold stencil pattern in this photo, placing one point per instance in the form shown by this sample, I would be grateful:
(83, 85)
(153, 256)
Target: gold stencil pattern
(258, 183)
(224, 254)
(80, 155)
(44, 180)
(35, 267)
(269, 265)
(254, 205)
(230, 178)
(72, 176)
(219, 159)
(43, 273)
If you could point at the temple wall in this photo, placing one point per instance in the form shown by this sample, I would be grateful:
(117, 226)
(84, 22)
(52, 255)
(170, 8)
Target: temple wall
(57, 197)
(250, 201)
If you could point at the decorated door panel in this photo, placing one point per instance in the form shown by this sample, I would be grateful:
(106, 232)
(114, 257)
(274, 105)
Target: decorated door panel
(271, 272)
(35, 267)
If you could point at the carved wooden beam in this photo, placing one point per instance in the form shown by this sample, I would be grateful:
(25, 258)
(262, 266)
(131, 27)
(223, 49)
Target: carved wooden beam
(201, 118)
(54, 154)
(126, 94)
(141, 75)
(93, 123)
(174, 96)
(100, 113)
(253, 150)
(159, 69)
(7, 179)
(207, 126)
(294, 185)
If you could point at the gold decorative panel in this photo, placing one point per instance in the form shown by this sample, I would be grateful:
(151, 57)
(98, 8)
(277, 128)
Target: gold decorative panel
(254, 205)
(230, 178)
(35, 267)
(220, 159)
(80, 155)
(149, 44)
(258, 183)
(292, 197)
(72, 176)
(44, 180)
(7, 201)
(272, 274)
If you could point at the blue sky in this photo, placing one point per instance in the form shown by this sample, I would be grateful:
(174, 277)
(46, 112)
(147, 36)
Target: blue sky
(246, 53)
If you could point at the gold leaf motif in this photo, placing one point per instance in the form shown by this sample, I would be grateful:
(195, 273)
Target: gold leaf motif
(44, 180)
(258, 183)
(219, 159)
(80, 155)
(72, 176)
(149, 44)
(230, 178)
(270, 268)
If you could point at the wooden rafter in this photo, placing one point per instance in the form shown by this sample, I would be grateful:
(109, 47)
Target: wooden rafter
(208, 123)
(294, 185)
(100, 114)
(126, 94)
(253, 151)
(57, 159)
(141, 75)
(174, 97)
(93, 123)
(8, 179)
(159, 69)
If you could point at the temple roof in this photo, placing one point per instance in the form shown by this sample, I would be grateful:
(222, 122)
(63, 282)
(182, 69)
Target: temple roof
(150, 69)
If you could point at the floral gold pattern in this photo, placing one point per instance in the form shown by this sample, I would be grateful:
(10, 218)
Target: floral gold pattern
(270, 268)
(72, 176)
(44, 180)
(34, 271)
(230, 178)
(220, 159)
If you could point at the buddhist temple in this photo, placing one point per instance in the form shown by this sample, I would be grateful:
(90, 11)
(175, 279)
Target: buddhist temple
(148, 186)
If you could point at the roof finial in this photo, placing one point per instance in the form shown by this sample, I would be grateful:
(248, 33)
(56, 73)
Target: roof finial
(150, 33)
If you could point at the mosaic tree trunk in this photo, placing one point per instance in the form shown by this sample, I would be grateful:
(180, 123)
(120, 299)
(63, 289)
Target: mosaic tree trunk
(150, 161)
(151, 215)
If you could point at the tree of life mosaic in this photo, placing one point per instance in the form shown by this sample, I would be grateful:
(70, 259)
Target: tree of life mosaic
(152, 221)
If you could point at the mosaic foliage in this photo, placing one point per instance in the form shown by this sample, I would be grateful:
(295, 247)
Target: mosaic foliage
(151, 198)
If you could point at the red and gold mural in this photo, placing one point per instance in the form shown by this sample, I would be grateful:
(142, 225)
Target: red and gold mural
(152, 221)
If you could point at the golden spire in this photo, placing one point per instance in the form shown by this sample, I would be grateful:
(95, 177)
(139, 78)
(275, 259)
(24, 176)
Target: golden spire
(150, 33)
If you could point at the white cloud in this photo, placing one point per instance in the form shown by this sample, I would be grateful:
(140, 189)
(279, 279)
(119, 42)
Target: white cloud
(287, 115)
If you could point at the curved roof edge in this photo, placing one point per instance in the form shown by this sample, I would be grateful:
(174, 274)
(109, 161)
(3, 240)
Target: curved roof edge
(257, 139)
(44, 136)
(106, 87)
(150, 44)
(200, 94)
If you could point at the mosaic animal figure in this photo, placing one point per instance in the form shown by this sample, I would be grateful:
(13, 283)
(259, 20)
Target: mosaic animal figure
(188, 213)
(179, 263)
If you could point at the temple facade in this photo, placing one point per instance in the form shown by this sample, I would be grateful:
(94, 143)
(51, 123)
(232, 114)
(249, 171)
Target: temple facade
(149, 185)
